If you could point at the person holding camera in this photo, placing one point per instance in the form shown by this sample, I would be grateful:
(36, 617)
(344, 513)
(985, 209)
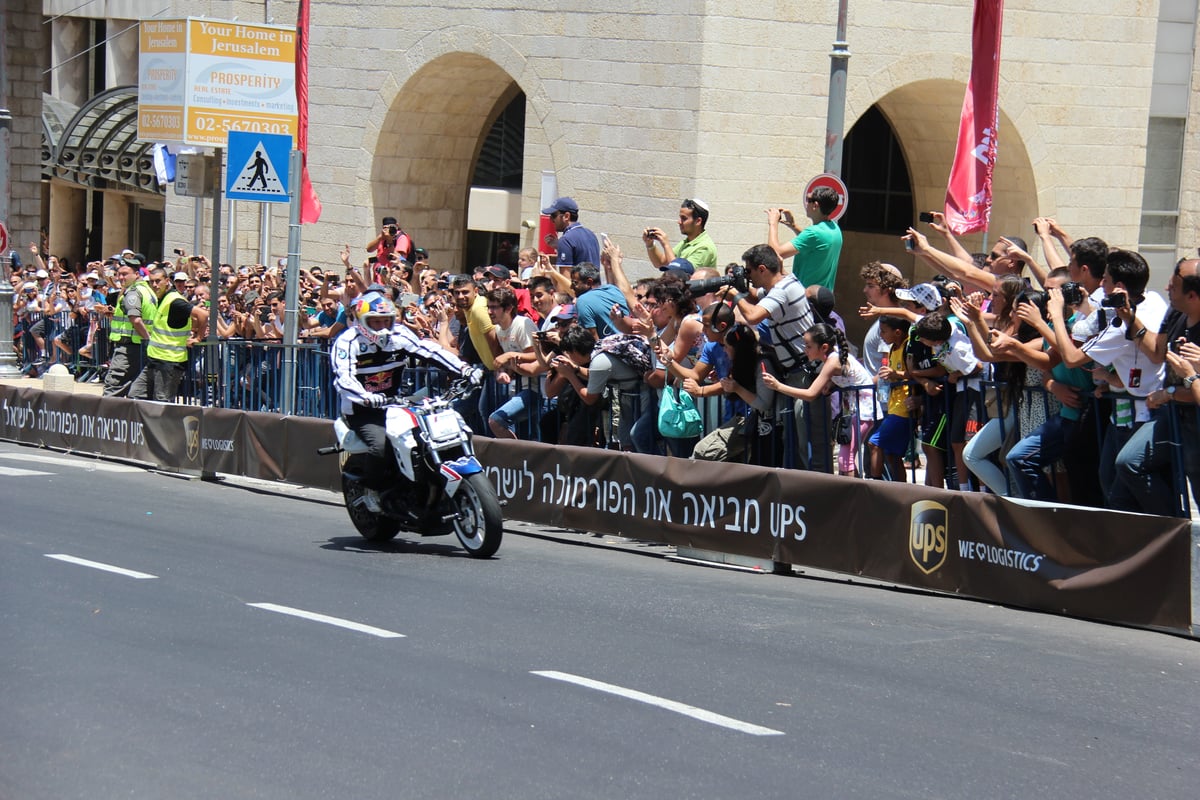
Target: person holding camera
(777, 299)
(697, 246)
(818, 247)
(1116, 347)
(391, 239)
(1007, 256)
(1070, 434)
(267, 319)
(1144, 463)
(27, 305)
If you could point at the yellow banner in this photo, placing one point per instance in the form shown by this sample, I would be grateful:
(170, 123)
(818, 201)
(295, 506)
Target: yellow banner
(212, 126)
(238, 40)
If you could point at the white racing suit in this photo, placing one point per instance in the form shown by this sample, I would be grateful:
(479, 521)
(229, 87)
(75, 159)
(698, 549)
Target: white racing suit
(367, 374)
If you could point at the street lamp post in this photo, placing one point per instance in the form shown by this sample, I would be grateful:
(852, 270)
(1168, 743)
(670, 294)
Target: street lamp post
(8, 357)
(836, 115)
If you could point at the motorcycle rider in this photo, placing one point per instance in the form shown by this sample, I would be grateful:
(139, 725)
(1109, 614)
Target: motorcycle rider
(368, 359)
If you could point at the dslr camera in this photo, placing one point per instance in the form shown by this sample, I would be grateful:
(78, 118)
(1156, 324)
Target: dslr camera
(547, 344)
(736, 278)
(1072, 293)
(1119, 300)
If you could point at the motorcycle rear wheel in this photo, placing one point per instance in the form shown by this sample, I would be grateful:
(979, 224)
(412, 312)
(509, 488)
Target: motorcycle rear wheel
(481, 527)
(371, 526)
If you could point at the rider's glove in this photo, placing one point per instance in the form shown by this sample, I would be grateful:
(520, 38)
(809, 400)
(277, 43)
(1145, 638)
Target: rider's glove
(475, 376)
(376, 400)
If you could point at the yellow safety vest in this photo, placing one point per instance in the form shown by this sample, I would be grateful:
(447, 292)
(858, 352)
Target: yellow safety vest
(167, 343)
(121, 326)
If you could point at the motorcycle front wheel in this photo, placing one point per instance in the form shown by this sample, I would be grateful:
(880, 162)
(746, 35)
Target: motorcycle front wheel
(372, 526)
(480, 525)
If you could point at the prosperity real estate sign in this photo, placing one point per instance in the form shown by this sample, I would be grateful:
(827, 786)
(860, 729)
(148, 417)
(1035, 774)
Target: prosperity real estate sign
(199, 79)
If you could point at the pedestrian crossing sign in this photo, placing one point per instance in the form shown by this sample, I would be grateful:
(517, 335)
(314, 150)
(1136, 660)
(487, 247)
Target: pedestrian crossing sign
(257, 167)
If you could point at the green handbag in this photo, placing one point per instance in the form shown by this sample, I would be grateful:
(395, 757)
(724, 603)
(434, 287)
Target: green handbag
(677, 415)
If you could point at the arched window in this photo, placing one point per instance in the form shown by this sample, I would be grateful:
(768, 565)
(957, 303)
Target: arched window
(502, 158)
(876, 176)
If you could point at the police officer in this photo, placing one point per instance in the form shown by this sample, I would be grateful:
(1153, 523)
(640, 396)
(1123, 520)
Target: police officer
(129, 333)
(166, 353)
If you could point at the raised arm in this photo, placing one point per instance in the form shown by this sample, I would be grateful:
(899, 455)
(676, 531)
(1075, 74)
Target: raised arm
(610, 259)
(971, 316)
(1070, 353)
(1042, 226)
(774, 217)
(1039, 272)
(946, 264)
(952, 244)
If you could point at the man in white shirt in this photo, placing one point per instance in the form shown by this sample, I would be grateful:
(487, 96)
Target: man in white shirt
(1127, 313)
(515, 334)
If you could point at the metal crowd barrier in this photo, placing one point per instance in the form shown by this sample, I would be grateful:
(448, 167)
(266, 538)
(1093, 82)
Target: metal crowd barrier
(247, 375)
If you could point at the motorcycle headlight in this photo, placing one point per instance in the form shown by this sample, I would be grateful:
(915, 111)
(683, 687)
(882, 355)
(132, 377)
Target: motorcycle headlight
(443, 426)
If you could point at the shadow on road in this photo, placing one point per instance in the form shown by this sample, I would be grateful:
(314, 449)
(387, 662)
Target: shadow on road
(357, 544)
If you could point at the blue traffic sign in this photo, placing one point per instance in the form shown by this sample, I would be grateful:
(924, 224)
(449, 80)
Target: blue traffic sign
(257, 167)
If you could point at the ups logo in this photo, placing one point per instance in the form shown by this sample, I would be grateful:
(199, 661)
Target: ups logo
(191, 436)
(927, 535)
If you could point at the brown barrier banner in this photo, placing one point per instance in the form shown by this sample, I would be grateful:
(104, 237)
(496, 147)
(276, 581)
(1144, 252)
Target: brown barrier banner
(1126, 568)
(219, 442)
(305, 435)
(81, 423)
(263, 445)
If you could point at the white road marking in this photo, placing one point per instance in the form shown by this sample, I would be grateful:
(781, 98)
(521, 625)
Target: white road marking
(79, 463)
(670, 705)
(341, 623)
(14, 472)
(83, 562)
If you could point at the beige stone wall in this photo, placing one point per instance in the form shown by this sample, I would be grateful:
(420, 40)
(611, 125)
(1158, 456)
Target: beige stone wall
(23, 88)
(637, 106)
(1189, 193)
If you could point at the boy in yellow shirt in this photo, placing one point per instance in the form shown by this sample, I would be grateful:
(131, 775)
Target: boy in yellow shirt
(890, 441)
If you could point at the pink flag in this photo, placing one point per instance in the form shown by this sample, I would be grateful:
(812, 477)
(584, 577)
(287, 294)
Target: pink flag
(969, 191)
(310, 205)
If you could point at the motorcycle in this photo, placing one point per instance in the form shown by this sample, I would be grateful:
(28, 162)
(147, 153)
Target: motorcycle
(438, 487)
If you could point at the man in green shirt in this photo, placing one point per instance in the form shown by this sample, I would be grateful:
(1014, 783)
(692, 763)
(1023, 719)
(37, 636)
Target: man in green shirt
(697, 246)
(818, 247)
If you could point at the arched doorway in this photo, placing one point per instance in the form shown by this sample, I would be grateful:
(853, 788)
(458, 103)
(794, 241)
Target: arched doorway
(896, 162)
(429, 148)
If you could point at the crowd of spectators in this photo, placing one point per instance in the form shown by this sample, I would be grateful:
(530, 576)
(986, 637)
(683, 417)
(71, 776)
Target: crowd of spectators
(1061, 378)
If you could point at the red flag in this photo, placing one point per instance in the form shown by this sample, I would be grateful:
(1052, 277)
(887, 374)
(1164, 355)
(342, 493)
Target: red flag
(310, 205)
(969, 191)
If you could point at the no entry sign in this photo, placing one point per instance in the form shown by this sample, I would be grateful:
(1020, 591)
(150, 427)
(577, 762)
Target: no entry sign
(835, 183)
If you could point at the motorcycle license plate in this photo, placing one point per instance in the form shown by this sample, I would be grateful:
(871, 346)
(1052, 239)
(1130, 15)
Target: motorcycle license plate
(443, 426)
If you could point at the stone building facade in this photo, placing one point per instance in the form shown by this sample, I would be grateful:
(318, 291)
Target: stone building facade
(635, 106)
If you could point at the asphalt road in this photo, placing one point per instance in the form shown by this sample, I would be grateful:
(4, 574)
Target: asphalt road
(252, 647)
